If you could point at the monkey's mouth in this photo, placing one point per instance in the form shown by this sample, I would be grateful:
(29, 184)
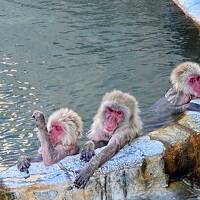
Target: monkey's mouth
(110, 130)
(110, 127)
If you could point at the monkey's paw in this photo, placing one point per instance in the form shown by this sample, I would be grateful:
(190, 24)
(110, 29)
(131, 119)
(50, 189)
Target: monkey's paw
(88, 151)
(81, 180)
(39, 118)
(23, 163)
(86, 155)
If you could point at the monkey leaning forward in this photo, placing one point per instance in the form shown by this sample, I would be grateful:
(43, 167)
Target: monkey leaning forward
(58, 138)
(116, 123)
(185, 79)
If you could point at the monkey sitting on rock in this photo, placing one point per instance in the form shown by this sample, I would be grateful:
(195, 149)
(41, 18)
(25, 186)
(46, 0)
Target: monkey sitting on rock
(116, 123)
(58, 138)
(185, 79)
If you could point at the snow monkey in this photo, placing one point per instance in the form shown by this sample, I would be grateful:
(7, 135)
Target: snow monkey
(58, 138)
(185, 79)
(116, 123)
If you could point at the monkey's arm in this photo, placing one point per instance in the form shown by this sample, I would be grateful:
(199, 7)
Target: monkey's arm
(50, 155)
(187, 107)
(164, 106)
(114, 145)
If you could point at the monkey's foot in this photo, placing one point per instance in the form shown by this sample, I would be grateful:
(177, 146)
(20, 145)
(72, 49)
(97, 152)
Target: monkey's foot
(39, 118)
(23, 163)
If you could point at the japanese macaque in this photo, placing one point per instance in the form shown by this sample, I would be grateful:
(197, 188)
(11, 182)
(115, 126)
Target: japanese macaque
(116, 123)
(58, 138)
(185, 79)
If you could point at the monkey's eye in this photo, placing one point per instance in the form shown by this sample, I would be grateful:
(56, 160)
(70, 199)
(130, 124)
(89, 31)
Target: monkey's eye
(58, 128)
(192, 80)
(119, 112)
(198, 78)
(110, 109)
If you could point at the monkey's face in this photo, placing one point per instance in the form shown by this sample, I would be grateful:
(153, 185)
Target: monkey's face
(112, 119)
(56, 132)
(194, 83)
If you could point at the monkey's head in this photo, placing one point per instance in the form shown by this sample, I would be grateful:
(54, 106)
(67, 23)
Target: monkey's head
(117, 109)
(186, 78)
(64, 126)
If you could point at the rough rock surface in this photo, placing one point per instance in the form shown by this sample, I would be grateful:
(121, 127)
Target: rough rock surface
(182, 143)
(129, 174)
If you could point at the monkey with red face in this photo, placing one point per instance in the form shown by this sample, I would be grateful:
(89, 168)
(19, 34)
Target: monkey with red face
(116, 123)
(58, 138)
(185, 79)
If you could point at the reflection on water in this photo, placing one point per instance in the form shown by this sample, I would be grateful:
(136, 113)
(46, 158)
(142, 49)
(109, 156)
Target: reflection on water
(69, 53)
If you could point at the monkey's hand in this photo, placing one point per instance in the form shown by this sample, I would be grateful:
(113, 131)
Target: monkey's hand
(23, 163)
(84, 176)
(187, 107)
(40, 120)
(88, 151)
(194, 107)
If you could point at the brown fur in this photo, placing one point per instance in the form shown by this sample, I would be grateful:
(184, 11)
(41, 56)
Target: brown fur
(72, 123)
(179, 76)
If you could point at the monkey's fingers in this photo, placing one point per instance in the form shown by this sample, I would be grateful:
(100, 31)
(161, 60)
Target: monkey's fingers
(89, 155)
(27, 164)
(81, 181)
(194, 107)
(23, 163)
(84, 182)
(37, 114)
(39, 118)
(86, 155)
(22, 168)
(83, 154)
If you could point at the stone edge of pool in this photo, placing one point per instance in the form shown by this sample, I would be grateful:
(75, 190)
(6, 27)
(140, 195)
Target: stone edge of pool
(191, 9)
